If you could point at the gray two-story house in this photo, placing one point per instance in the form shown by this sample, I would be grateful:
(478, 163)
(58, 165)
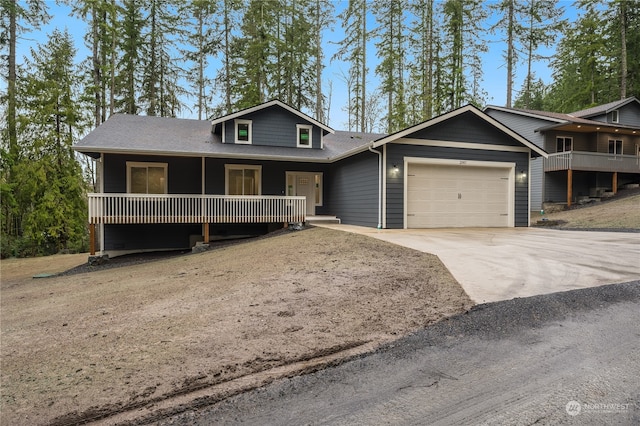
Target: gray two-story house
(591, 152)
(166, 183)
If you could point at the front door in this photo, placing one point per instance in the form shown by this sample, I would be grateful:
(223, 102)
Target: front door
(305, 184)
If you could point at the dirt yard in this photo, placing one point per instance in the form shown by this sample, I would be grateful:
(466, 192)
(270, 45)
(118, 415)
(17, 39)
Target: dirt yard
(621, 213)
(127, 342)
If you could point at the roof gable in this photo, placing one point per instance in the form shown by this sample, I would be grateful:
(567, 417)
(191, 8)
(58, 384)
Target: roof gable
(271, 104)
(605, 108)
(452, 115)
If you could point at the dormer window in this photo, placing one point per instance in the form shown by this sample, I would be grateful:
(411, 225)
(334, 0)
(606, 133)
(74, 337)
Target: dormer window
(614, 116)
(243, 131)
(304, 136)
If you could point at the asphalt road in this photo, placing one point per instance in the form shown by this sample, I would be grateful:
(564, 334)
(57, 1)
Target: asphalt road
(562, 358)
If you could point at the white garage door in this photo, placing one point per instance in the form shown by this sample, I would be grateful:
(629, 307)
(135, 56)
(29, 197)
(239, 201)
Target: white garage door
(451, 196)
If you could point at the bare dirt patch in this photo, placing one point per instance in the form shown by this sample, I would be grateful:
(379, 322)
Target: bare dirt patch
(90, 345)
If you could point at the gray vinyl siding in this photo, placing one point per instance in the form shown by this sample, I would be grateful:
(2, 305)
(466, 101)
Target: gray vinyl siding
(537, 177)
(352, 193)
(467, 127)
(274, 127)
(183, 173)
(630, 114)
(524, 126)
(395, 186)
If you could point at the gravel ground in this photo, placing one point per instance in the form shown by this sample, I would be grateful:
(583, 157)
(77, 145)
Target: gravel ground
(560, 333)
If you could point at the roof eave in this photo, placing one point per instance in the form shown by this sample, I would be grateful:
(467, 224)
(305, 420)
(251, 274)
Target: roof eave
(88, 150)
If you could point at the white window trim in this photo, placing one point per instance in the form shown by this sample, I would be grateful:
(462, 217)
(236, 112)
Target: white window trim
(235, 130)
(131, 164)
(304, 126)
(615, 116)
(228, 167)
(564, 143)
(614, 146)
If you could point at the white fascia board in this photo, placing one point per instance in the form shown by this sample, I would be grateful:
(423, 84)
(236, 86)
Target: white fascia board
(449, 115)
(464, 145)
(526, 114)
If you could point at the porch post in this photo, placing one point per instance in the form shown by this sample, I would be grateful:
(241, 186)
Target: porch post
(206, 233)
(615, 182)
(569, 187)
(92, 239)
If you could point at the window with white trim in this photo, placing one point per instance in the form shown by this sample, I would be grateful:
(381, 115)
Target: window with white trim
(241, 179)
(146, 178)
(243, 131)
(615, 146)
(564, 143)
(614, 116)
(304, 133)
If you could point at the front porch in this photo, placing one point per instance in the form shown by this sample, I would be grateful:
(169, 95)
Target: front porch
(124, 209)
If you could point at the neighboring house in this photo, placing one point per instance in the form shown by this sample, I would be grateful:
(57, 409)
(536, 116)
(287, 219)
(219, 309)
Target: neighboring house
(165, 183)
(591, 152)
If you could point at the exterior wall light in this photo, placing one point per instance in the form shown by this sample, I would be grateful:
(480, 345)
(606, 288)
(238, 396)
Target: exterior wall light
(522, 176)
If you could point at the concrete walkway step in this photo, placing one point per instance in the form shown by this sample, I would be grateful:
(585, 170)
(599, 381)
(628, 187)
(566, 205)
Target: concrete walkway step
(322, 219)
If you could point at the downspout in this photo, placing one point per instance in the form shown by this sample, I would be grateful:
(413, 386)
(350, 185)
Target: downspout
(379, 184)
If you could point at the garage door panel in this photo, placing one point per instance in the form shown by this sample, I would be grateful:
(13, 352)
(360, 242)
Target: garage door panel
(457, 196)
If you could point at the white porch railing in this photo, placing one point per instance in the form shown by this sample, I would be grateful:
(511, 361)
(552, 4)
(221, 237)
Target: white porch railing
(592, 161)
(113, 208)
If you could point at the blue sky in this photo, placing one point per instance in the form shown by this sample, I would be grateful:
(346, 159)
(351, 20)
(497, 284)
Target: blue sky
(494, 71)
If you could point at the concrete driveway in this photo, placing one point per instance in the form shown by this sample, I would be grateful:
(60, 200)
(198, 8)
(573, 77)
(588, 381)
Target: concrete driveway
(495, 264)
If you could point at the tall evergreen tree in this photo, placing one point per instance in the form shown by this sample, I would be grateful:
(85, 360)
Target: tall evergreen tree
(160, 91)
(100, 38)
(51, 188)
(252, 54)
(204, 40)
(463, 35)
(16, 19)
(391, 49)
(353, 50)
(422, 45)
(128, 73)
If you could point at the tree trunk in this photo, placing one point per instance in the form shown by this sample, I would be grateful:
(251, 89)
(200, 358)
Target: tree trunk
(510, 42)
(623, 49)
(11, 89)
(363, 127)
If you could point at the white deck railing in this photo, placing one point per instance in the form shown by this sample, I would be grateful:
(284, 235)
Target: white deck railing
(184, 208)
(592, 161)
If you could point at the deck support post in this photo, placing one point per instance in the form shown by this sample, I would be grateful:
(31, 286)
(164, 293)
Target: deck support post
(92, 239)
(614, 184)
(206, 233)
(569, 187)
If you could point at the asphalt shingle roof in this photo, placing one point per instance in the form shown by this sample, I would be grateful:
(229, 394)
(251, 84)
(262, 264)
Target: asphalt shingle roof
(601, 109)
(123, 133)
